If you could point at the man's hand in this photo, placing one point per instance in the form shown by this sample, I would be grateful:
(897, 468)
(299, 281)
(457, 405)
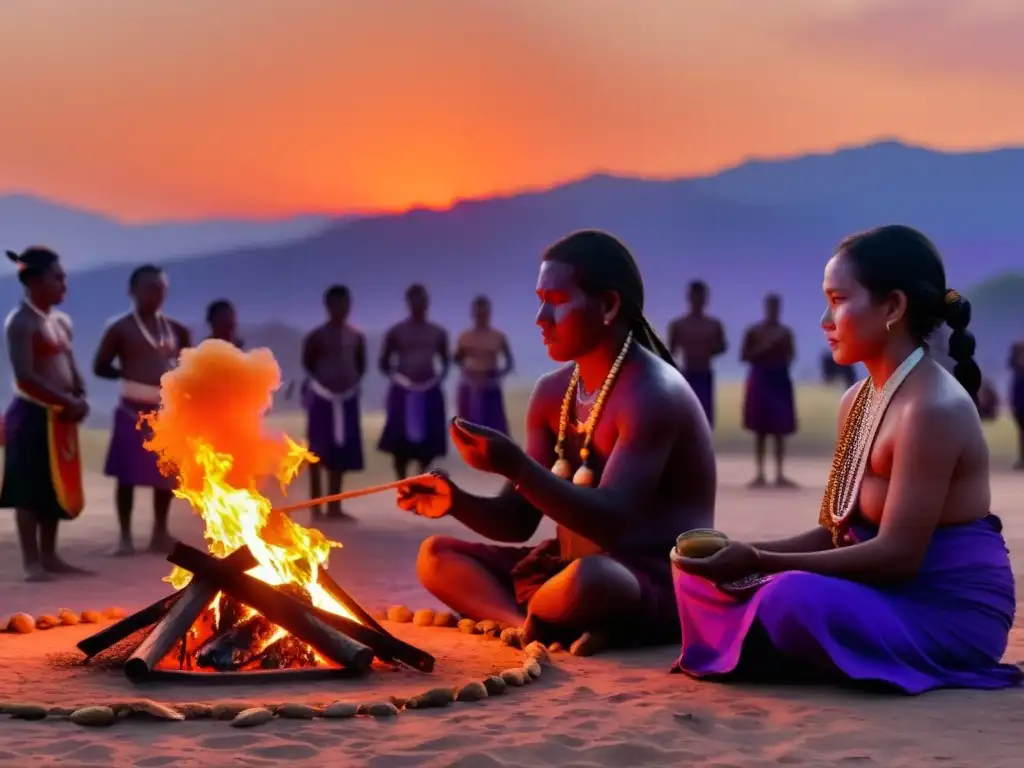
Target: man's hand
(486, 449)
(75, 411)
(427, 496)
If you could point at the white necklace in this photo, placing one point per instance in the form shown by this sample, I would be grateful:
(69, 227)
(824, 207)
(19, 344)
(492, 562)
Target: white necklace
(860, 431)
(164, 342)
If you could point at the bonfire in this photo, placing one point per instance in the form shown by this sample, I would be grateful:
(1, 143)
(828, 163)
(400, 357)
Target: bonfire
(261, 599)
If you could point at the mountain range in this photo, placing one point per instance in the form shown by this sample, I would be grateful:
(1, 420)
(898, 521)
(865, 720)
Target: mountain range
(761, 226)
(87, 239)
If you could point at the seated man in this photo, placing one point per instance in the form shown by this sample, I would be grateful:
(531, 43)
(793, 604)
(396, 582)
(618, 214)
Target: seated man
(906, 581)
(618, 454)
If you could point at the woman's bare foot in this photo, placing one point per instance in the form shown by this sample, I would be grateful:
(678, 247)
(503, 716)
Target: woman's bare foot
(785, 482)
(757, 482)
(55, 565)
(590, 643)
(123, 549)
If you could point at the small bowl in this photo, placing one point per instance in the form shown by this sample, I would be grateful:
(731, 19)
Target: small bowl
(700, 542)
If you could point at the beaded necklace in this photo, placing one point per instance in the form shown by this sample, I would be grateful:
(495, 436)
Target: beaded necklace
(584, 475)
(854, 447)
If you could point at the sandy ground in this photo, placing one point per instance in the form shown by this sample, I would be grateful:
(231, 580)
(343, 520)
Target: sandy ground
(620, 709)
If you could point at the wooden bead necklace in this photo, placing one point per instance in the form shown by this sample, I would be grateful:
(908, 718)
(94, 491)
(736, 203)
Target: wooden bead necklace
(854, 446)
(584, 476)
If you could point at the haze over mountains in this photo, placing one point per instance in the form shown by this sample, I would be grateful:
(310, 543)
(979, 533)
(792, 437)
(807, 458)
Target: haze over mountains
(86, 239)
(759, 227)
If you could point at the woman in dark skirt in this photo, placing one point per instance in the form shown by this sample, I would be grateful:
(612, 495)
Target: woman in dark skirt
(42, 462)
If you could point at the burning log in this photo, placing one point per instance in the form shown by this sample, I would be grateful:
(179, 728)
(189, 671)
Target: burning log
(385, 646)
(334, 590)
(237, 646)
(241, 559)
(305, 622)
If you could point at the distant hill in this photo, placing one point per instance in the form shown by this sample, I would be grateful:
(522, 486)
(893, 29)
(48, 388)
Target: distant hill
(763, 226)
(85, 239)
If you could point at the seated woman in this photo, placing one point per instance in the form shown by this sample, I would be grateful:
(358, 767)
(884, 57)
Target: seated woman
(618, 454)
(906, 581)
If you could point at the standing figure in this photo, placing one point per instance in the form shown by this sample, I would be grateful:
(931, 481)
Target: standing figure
(42, 462)
(1016, 363)
(477, 353)
(416, 426)
(694, 340)
(223, 322)
(138, 348)
(769, 408)
(334, 361)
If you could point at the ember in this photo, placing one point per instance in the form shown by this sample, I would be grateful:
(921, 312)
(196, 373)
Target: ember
(263, 600)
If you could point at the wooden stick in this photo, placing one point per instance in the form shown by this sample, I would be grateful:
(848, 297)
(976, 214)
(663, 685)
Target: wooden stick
(151, 614)
(345, 495)
(385, 646)
(303, 621)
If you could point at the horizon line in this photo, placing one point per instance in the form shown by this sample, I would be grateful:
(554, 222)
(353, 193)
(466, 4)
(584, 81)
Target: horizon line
(506, 193)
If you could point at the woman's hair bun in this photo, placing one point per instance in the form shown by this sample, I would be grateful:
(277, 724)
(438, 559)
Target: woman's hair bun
(956, 311)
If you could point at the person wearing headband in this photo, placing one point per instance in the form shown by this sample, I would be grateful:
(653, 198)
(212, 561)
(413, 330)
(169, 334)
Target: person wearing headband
(137, 348)
(42, 478)
(618, 455)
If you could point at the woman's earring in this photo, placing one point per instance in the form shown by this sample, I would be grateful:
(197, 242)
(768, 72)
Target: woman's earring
(888, 326)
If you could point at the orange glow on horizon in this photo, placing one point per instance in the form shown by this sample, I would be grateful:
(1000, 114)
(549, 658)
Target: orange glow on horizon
(165, 110)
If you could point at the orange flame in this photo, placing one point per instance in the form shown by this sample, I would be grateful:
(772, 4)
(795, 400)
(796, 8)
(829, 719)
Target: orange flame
(210, 431)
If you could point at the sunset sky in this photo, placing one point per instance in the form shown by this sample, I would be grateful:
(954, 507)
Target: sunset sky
(185, 108)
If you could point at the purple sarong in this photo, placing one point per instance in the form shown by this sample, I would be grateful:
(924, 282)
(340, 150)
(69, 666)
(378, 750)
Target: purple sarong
(416, 425)
(703, 385)
(128, 460)
(334, 431)
(947, 628)
(483, 404)
(769, 407)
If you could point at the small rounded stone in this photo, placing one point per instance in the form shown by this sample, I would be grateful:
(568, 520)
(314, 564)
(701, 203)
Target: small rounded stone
(115, 612)
(26, 711)
(68, 618)
(424, 617)
(399, 614)
(195, 710)
(468, 626)
(383, 709)
(532, 668)
(47, 621)
(94, 717)
(340, 710)
(512, 637)
(254, 716)
(487, 627)
(514, 677)
(473, 691)
(435, 697)
(295, 711)
(495, 685)
(537, 651)
(445, 619)
(91, 617)
(21, 623)
(229, 710)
